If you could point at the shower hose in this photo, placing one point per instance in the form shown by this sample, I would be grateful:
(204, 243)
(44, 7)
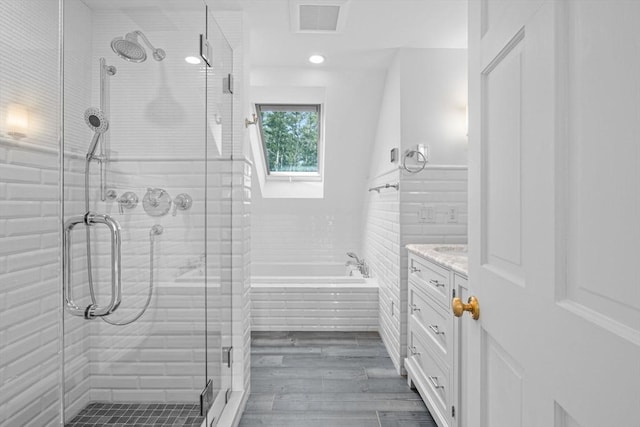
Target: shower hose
(154, 231)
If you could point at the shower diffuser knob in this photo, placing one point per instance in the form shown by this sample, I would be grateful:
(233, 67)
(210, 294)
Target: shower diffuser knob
(183, 201)
(156, 202)
(128, 200)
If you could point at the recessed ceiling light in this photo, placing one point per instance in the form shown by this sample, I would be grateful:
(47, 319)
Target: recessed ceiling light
(192, 59)
(316, 59)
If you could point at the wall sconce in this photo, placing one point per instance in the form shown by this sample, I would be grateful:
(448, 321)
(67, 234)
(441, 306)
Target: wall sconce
(17, 121)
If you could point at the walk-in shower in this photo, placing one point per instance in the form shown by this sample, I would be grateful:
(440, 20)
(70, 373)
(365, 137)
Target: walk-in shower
(146, 200)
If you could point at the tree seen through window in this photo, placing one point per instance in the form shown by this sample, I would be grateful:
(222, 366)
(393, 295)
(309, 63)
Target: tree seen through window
(290, 137)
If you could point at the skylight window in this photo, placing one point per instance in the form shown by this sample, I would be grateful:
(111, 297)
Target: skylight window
(291, 139)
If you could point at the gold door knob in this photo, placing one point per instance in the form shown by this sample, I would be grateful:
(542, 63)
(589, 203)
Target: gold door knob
(472, 307)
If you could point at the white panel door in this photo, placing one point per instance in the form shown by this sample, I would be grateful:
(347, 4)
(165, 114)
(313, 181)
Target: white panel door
(554, 146)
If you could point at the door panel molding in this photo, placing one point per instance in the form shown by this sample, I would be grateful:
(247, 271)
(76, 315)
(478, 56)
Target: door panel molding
(501, 85)
(597, 114)
(502, 384)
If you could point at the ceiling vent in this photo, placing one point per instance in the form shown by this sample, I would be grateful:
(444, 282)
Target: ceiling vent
(317, 16)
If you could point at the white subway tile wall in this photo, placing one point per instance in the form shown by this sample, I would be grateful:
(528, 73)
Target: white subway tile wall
(397, 218)
(314, 308)
(29, 218)
(382, 251)
(29, 277)
(240, 241)
(297, 234)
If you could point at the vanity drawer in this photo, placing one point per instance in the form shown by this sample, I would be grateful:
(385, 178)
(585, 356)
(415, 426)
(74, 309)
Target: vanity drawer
(433, 278)
(436, 378)
(435, 321)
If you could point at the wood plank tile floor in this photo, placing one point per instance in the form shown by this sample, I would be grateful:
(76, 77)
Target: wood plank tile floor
(328, 379)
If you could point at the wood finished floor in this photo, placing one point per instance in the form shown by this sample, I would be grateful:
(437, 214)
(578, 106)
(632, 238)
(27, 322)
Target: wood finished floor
(308, 379)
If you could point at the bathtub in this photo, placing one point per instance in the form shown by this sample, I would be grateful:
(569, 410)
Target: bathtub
(312, 297)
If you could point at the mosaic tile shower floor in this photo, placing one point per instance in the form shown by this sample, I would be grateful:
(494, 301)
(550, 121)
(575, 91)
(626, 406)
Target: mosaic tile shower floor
(138, 414)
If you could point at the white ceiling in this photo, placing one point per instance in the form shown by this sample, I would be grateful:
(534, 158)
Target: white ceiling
(373, 30)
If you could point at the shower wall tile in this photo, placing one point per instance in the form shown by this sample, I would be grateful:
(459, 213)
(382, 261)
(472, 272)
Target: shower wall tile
(19, 174)
(393, 221)
(29, 283)
(29, 260)
(167, 343)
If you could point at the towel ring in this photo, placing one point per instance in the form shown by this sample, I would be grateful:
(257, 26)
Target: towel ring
(410, 154)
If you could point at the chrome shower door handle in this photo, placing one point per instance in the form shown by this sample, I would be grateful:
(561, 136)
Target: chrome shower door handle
(92, 310)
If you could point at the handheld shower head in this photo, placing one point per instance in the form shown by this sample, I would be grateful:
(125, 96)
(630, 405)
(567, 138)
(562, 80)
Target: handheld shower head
(98, 123)
(96, 120)
(130, 49)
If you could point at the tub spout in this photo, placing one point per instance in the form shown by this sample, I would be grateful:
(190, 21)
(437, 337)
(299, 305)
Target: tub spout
(360, 264)
(354, 256)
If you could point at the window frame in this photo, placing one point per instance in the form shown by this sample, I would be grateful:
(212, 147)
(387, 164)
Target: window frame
(291, 176)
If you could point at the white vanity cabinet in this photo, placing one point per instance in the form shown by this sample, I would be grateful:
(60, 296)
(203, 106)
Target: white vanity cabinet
(432, 362)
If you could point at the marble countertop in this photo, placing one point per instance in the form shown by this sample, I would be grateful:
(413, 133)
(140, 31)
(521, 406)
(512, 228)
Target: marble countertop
(453, 257)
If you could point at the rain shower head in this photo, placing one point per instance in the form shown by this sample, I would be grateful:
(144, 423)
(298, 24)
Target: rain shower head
(98, 123)
(130, 49)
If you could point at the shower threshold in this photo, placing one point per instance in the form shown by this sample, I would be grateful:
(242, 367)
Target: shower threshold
(138, 414)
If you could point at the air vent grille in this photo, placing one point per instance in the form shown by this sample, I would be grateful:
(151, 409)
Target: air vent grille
(319, 17)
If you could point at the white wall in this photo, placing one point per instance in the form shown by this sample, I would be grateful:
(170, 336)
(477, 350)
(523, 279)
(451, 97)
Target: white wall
(322, 230)
(424, 103)
(388, 125)
(29, 216)
(433, 95)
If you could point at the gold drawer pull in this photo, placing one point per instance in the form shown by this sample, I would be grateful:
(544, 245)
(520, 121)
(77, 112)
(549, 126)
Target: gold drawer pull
(435, 329)
(435, 283)
(434, 382)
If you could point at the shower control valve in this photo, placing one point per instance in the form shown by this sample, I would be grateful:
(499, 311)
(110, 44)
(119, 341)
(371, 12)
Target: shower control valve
(128, 200)
(156, 202)
(183, 202)
(111, 194)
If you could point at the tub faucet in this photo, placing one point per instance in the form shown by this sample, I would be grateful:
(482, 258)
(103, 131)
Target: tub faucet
(362, 266)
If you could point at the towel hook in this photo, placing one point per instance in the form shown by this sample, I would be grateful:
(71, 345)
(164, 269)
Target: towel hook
(247, 122)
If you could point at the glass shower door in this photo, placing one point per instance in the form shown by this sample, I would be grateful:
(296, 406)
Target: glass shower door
(219, 212)
(146, 315)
